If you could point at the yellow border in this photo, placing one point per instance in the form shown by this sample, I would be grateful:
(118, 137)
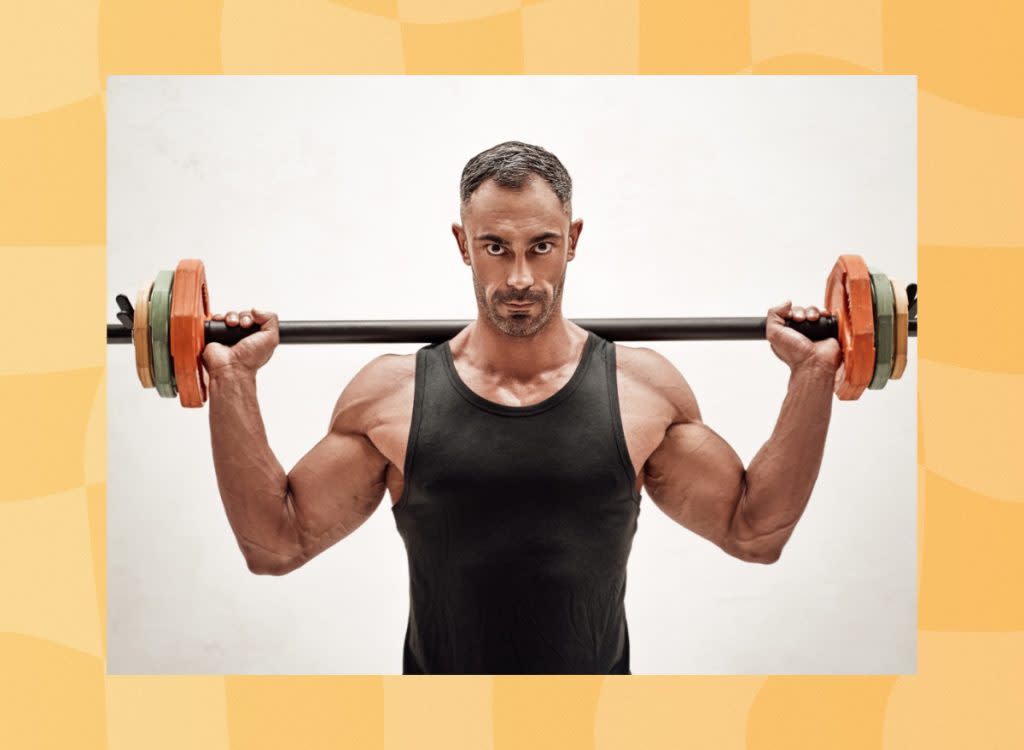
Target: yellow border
(54, 59)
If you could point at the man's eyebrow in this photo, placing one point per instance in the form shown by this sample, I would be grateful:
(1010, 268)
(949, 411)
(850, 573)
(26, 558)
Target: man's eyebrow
(501, 241)
(491, 238)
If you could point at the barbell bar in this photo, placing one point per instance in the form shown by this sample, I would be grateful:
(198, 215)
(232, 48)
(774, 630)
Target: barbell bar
(874, 316)
(436, 331)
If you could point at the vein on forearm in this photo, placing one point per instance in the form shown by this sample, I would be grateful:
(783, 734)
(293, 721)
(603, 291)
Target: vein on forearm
(252, 482)
(781, 476)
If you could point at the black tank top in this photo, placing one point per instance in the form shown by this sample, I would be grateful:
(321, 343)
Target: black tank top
(518, 522)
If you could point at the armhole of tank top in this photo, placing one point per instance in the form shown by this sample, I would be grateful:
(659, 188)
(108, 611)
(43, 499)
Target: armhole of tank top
(414, 428)
(620, 433)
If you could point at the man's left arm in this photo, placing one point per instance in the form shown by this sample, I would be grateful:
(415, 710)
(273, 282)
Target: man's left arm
(697, 479)
(780, 478)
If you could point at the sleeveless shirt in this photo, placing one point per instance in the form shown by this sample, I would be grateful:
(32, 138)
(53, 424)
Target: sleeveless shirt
(517, 522)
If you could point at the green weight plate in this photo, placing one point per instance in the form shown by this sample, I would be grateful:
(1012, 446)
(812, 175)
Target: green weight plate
(885, 312)
(159, 328)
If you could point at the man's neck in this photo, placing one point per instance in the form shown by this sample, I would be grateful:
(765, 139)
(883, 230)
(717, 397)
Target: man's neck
(519, 359)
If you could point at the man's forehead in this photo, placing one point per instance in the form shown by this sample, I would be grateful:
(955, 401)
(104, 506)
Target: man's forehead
(507, 226)
(522, 209)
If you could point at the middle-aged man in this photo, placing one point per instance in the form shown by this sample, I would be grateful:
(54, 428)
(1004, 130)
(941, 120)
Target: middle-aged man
(515, 452)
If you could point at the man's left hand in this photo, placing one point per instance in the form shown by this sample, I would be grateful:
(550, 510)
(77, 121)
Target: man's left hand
(795, 349)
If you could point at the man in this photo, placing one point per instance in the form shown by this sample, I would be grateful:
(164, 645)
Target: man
(515, 452)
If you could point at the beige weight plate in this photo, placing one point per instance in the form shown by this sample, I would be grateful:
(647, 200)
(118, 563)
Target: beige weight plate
(140, 337)
(902, 327)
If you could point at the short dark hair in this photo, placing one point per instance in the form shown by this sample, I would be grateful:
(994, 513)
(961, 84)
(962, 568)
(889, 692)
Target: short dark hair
(510, 164)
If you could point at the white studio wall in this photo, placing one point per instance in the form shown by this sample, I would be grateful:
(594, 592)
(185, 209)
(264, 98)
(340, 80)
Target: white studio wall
(332, 198)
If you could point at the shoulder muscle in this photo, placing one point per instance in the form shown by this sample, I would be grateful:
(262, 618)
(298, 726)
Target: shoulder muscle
(656, 373)
(380, 379)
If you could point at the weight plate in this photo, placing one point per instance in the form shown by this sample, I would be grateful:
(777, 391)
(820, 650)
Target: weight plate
(140, 336)
(882, 290)
(901, 327)
(190, 309)
(848, 296)
(159, 329)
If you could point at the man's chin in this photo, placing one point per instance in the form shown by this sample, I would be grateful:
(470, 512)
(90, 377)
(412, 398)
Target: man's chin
(515, 328)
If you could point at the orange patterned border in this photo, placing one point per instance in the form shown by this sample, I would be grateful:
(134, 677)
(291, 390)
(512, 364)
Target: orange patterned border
(56, 54)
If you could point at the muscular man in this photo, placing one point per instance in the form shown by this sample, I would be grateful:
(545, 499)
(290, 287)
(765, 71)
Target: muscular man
(515, 452)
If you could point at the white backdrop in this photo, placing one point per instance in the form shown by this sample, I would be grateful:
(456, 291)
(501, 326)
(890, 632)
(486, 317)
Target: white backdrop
(331, 198)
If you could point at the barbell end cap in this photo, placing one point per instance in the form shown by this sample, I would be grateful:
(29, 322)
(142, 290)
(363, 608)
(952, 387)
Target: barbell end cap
(912, 301)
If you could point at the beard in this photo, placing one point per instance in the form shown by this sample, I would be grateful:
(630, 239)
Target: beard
(519, 323)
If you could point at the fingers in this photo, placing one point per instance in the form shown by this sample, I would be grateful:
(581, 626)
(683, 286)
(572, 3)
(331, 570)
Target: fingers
(245, 318)
(262, 316)
(810, 313)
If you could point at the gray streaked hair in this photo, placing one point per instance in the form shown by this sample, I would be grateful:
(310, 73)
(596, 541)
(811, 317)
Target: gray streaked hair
(510, 164)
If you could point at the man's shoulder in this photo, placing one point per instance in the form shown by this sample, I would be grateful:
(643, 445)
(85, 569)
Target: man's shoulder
(385, 375)
(385, 367)
(644, 363)
(652, 373)
(380, 382)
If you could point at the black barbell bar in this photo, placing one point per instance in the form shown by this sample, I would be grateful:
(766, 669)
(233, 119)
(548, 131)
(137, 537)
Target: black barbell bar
(435, 331)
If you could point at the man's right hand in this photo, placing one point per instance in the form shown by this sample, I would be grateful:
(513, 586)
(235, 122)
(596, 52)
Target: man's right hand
(252, 352)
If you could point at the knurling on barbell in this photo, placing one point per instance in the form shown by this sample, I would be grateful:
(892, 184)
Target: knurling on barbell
(179, 327)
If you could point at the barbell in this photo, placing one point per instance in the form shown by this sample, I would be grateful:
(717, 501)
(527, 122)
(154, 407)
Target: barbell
(169, 325)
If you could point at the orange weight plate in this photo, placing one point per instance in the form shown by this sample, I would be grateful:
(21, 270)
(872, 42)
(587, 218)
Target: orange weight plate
(848, 294)
(140, 336)
(899, 362)
(190, 309)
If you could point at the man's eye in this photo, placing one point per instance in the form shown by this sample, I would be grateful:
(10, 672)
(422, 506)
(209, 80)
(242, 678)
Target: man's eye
(492, 245)
(545, 245)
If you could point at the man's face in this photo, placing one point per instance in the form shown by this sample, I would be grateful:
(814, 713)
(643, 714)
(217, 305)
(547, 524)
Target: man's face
(518, 243)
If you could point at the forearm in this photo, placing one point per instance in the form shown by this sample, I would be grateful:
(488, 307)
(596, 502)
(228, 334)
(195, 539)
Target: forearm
(780, 478)
(253, 484)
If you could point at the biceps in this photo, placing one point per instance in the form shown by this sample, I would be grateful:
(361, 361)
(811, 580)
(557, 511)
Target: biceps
(334, 489)
(696, 478)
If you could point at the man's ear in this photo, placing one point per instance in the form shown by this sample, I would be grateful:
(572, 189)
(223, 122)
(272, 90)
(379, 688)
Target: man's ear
(460, 239)
(575, 229)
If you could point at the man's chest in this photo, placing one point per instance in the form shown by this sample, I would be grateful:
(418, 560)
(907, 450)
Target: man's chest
(643, 415)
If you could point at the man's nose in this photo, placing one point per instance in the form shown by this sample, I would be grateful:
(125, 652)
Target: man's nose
(520, 277)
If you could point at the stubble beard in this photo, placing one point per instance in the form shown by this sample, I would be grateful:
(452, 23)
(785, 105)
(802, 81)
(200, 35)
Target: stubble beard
(522, 324)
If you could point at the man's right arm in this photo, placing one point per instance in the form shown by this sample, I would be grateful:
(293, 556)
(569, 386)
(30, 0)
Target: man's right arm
(282, 520)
